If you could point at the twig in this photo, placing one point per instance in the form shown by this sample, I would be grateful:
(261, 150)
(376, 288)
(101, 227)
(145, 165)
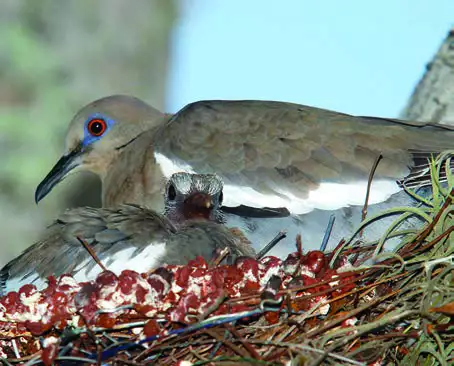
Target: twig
(281, 235)
(92, 335)
(4, 361)
(369, 184)
(423, 234)
(220, 257)
(79, 360)
(245, 343)
(354, 312)
(218, 345)
(307, 348)
(329, 229)
(91, 252)
(226, 342)
(212, 308)
(16, 350)
(196, 354)
(303, 288)
(371, 326)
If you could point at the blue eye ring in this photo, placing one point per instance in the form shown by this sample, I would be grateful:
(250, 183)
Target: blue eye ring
(96, 126)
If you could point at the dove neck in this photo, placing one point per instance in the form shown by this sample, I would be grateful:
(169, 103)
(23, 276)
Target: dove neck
(138, 183)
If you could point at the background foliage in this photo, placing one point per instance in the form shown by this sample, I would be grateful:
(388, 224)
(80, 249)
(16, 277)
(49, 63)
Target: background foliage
(56, 56)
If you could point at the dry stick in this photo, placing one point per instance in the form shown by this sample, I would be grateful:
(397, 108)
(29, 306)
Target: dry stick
(244, 342)
(409, 253)
(300, 347)
(220, 257)
(122, 361)
(286, 334)
(423, 234)
(92, 335)
(166, 342)
(281, 235)
(334, 322)
(4, 361)
(208, 343)
(366, 201)
(226, 342)
(329, 229)
(91, 252)
(432, 243)
(369, 184)
(367, 287)
(213, 307)
(156, 347)
(340, 275)
(25, 358)
(362, 289)
(358, 334)
(196, 354)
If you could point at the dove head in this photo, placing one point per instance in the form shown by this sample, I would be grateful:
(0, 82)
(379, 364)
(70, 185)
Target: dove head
(96, 136)
(193, 196)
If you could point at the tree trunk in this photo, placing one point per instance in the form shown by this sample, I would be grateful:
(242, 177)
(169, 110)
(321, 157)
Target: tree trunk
(433, 97)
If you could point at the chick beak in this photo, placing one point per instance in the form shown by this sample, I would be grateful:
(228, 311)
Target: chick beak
(198, 205)
(59, 172)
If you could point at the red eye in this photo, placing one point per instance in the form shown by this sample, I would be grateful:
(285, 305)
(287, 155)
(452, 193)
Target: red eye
(96, 127)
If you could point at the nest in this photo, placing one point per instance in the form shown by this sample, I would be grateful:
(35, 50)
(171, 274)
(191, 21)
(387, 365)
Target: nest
(356, 305)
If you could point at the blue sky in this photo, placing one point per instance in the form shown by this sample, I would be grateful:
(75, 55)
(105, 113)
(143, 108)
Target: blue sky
(354, 56)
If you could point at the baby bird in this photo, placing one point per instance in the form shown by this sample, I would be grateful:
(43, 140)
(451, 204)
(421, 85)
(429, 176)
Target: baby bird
(129, 236)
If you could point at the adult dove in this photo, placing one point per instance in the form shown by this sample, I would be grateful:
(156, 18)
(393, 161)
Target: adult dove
(130, 237)
(312, 161)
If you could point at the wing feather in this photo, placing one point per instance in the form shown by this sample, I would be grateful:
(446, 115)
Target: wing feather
(286, 149)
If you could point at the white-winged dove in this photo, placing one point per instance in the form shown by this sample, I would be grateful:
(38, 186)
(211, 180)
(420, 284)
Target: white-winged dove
(272, 154)
(129, 237)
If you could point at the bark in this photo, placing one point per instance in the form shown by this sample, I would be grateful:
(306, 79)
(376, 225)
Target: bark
(433, 97)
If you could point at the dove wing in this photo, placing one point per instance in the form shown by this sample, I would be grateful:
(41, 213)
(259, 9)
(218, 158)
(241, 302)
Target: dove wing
(285, 152)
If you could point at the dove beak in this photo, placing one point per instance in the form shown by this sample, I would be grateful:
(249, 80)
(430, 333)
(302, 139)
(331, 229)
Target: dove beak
(59, 172)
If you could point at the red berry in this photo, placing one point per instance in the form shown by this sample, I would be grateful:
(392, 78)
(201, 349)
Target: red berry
(106, 320)
(27, 290)
(157, 285)
(37, 328)
(49, 353)
(198, 262)
(272, 317)
(191, 303)
(141, 293)
(151, 328)
(248, 265)
(10, 301)
(182, 276)
(107, 278)
(147, 310)
(127, 280)
(315, 260)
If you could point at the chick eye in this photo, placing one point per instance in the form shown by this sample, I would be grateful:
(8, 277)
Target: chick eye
(96, 127)
(171, 192)
(221, 197)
